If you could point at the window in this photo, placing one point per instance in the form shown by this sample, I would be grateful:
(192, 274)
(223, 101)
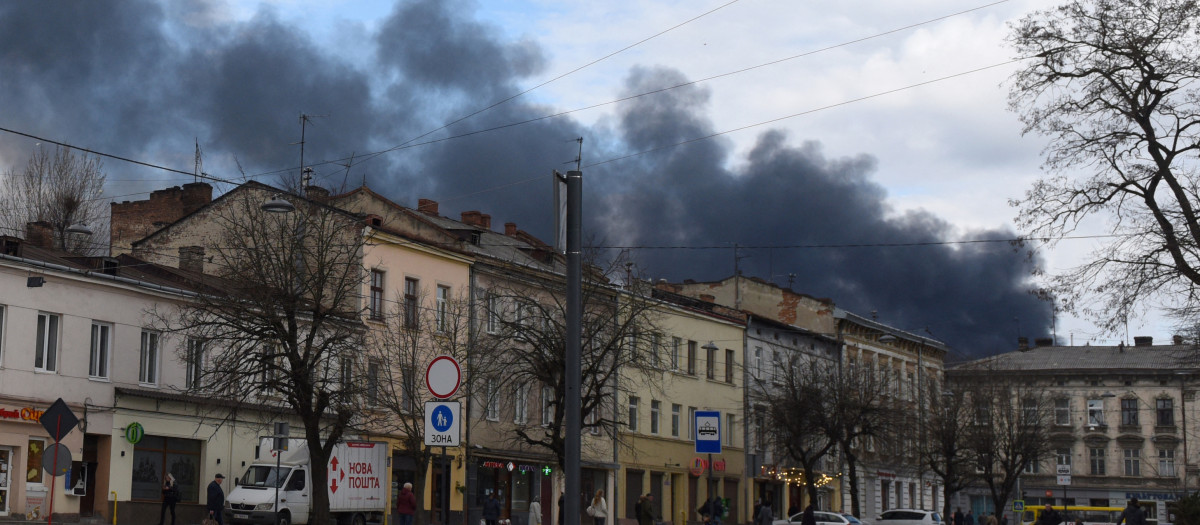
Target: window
(1096, 460)
(729, 364)
(589, 421)
(443, 304)
(1129, 412)
(408, 387)
(155, 456)
(633, 415)
(758, 365)
(1062, 411)
(730, 433)
(98, 358)
(1029, 411)
(492, 402)
(776, 365)
(148, 364)
(347, 373)
(411, 289)
(36, 447)
(1133, 462)
(547, 405)
(655, 407)
(521, 404)
(1, 333)
(656, 350)
(1166, 462)
(711, 364)
(1164, 410)
(691, 358)
(675, 415)
(195, 363)
(493, 313)
(691, 422)
(1095, 408)
(45, 357)
(675, 344)
(983, 413)
(1033, 466)
(1062, 456)
(375, 308)
(373, 383)
(631, 346)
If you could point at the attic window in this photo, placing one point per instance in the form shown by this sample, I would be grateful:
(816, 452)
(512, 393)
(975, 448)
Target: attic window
(376, 221)
(475, 237)
(109, 266)
(11, 247)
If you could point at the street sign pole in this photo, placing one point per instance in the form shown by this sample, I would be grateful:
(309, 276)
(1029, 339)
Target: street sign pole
(54, 475)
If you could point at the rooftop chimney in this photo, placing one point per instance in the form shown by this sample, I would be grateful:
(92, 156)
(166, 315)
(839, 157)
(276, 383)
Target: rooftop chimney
(510, 228)
(475, 218)
(40, 234)
(1022, 343)
(1177, 340)
(1143, 340)
(428, 207)
(1043, 341)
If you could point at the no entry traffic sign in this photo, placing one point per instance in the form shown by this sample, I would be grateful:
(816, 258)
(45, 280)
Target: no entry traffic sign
(443, 376)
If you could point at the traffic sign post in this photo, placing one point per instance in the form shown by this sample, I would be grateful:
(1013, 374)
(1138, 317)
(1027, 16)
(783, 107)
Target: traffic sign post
(1019, 505)
(442, 423)
(58, 420)
(707, 428)
(443, 376)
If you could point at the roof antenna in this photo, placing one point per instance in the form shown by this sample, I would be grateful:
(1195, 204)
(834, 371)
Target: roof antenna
(199, 163)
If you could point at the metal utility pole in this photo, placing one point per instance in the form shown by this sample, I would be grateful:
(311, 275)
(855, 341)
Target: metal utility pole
(571, 397)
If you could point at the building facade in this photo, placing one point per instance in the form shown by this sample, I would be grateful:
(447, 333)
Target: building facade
(1121, 420)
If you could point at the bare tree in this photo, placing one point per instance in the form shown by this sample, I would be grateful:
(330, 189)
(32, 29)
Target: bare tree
(861, 409)
(413, 335)
(526, 317)
(945, 451)
(798, 410)
(1113, 85)
(1009, 428)
(60, 189)
(284, 328)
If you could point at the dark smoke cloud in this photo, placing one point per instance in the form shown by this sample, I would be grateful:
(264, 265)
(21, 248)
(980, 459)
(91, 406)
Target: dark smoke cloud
(146, 79)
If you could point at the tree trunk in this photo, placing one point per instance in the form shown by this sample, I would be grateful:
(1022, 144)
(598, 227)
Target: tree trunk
(852, 471)
(319, 465)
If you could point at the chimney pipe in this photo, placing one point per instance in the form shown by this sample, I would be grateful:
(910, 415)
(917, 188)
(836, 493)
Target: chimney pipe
(1143, 340)
(1022, 343)
(510, 228)
(428, 207)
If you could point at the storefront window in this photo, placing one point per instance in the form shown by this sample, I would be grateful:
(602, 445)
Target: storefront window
(154, 456)
(34, 465)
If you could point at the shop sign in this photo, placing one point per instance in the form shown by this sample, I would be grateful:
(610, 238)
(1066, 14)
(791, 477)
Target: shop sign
(23, 414)
(134, 433)
(511, 466)
(700, 465)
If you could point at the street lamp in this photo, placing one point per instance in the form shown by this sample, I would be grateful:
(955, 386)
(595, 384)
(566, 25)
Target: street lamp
(278, 204)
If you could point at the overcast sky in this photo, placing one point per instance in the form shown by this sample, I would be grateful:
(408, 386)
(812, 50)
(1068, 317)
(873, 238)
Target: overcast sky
(862, 130)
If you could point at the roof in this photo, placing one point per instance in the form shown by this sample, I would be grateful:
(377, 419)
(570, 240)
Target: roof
(124, 268)
(1166, 359)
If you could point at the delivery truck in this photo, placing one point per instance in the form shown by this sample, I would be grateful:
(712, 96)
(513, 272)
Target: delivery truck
(277, 488)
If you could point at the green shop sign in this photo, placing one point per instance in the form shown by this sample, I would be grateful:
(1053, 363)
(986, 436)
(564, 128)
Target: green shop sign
(134, 433)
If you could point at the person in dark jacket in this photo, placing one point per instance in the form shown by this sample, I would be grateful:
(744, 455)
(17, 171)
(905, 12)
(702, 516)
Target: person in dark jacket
(170, 495)
(766, 515)
(406, 505)
(1049, 516)
(216, 500)
(1134, 514)
(808, 518)
(491, 510)
(645, 510)
(958, 516)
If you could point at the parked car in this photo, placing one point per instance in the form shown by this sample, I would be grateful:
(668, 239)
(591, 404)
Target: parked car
(909, 517)
(823, 518)
(855, 521)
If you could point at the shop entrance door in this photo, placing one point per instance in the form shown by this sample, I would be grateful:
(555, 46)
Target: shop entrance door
(5, 477)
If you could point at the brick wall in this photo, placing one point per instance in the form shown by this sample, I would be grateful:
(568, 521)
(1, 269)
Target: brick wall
(133, 220)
